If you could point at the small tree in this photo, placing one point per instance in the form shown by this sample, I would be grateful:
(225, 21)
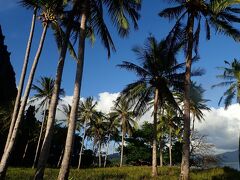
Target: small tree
(202, 152)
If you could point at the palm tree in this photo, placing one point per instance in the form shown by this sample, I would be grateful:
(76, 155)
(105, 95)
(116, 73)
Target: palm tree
(87, 112)
(112, 130)
(48, 15)
(92, 16)
(172, 122)
(219, 15)
(231, 79)
(43, 95)
(66, 109)
(24, 68)
(162, 127)
(157, 73)
(124, 113)
(98, 129)
(63, 43)
(197, 103)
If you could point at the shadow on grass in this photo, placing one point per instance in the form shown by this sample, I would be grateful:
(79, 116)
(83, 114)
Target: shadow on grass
(229, 173)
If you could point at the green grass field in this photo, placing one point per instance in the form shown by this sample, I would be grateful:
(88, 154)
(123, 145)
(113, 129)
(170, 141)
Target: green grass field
(134, 172)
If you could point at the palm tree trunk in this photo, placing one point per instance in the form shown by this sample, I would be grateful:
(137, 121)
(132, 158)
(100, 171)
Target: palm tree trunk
(108, 142)
(170, 146)
(6, 155)
(22, 78)
(60, 158)
(80, 154)
(25, 150)
(161, 154)
(121, 160)
(52, 108)
(193, 123)
(99, 154)
(186, 135)
(64, 170)
(154, 149)
(93, 147)
(40, 135)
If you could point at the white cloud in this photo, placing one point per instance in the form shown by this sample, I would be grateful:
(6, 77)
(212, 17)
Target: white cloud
(105, 101)
(67, 99)
(222, 127)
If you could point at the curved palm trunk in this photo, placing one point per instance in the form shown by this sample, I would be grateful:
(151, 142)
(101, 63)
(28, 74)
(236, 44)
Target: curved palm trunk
(60, 158)
(154, 150)
(25, 150)
(80, 154)
(22, 78)
(121, 160)
(64, 170)
(108, 142)
(186, 135)
(40, 135)
(170, 146)
(6, 155)
(52, 108)
(99, 154)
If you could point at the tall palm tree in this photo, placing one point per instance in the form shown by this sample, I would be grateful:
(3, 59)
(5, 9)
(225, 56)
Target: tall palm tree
(49, 10)
(87, 112)
(157, 75)
(91, 15)
(43, 95)
(217, 14)
(63, 44)
(124, 113)
(231, 80)
(24, 68)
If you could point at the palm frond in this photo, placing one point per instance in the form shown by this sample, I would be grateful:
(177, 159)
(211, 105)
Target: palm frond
(96, 22)
(172, 13)
(134, 68)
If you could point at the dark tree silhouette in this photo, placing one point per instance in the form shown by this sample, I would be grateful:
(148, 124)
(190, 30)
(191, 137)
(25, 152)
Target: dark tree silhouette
(8, 88)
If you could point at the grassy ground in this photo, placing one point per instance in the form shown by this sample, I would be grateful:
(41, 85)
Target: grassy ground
(134, 172)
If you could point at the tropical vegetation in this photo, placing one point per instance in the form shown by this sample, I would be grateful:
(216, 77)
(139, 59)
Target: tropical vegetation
(39, 129)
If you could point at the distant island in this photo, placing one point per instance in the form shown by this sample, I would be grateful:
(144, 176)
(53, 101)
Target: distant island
(230, 159)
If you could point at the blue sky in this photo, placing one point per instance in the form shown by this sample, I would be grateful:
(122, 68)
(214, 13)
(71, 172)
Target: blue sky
(100, 73)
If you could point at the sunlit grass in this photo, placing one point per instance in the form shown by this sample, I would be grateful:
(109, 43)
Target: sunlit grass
(130, 172)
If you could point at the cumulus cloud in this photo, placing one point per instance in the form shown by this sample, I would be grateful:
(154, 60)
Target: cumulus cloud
(221, 127)
(105, 101)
